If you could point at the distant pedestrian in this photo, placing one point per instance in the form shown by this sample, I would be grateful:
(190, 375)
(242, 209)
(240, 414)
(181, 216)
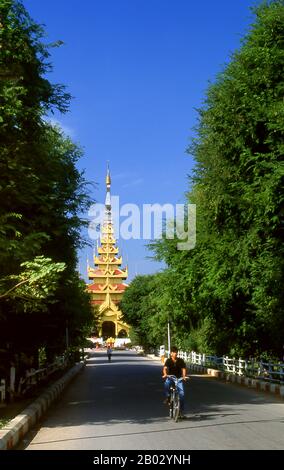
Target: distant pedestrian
(109, 352)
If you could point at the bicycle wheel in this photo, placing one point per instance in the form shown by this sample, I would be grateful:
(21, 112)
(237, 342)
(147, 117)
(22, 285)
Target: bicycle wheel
(176, 407)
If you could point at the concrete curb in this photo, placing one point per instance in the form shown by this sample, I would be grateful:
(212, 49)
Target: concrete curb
(15, 429)
(246, 381)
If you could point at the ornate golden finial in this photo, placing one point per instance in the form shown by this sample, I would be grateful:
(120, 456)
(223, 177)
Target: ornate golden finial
(108, 198)
(108, 178)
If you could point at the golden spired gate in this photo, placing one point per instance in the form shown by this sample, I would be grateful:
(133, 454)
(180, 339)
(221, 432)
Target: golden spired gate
(107, 277)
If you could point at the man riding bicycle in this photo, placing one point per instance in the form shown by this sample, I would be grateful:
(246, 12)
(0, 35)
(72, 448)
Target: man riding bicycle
(175, 366)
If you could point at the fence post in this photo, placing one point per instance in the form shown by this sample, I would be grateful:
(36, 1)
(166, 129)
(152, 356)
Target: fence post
(226, 363)
(12, 382)
(3, 390)
(245, 367)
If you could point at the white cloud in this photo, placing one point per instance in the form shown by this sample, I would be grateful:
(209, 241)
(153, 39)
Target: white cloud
(66, 129)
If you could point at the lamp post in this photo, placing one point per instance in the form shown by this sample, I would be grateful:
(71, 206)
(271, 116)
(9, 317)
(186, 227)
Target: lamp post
(169, 338)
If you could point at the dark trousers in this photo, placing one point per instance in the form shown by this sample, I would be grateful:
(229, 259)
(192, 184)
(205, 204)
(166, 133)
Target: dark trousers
(180, 389)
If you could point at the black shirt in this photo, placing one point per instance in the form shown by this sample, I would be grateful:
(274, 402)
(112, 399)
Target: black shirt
(175, 368)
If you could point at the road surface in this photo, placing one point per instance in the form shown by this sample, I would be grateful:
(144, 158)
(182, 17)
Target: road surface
(119, 405)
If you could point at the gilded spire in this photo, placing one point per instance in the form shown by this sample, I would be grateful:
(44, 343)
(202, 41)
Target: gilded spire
(108, 178)
(108, 198)
(108, 276)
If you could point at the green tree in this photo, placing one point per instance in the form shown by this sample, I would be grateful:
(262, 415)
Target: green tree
(226, 295)
(137, 308)
(34, 285)
(238, 190)
(42, 195)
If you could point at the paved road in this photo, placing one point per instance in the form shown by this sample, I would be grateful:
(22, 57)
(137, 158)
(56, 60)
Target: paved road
(118, 405)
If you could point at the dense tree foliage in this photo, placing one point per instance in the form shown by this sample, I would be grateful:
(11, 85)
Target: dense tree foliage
(139, 304)
(228, 291)
(42, 194)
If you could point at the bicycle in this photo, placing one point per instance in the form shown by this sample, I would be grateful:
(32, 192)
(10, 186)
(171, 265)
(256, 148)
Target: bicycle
(174, 400)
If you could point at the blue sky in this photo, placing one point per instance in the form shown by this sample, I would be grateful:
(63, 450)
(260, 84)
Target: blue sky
(137, 70)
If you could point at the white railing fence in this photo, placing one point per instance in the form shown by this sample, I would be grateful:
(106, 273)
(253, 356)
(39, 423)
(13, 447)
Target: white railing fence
(34, 377)
(268, 371)
(31, 379)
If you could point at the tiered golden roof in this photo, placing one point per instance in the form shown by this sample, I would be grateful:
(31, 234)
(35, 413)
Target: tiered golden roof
(107, 276)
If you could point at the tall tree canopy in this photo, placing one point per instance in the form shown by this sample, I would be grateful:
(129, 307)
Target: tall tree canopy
(42, 195)
(229, 289)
